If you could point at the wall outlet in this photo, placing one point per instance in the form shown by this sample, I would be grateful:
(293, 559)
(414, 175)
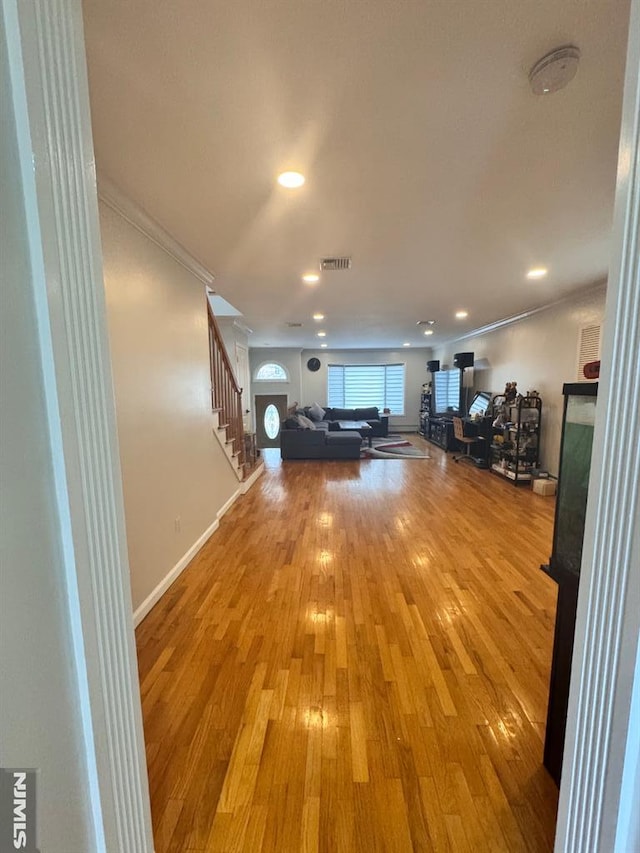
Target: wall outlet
(178, 524)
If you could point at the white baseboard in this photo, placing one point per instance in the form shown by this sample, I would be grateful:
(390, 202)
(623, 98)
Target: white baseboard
(227, 506)
(246, 485)
(156, 594)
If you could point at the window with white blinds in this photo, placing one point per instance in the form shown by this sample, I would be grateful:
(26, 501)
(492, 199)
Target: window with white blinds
(356, 386)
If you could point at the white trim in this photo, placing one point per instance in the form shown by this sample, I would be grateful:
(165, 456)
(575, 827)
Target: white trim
(239, 324)
(156, 594)
(608, 618)
(59, 184)
(246, 484)
(221, 437)
(114, 198)
(227, 506)
(23, 134)
(524, 315)
(267, 381)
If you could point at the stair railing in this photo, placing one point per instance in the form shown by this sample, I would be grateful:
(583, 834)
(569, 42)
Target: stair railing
(226, 394)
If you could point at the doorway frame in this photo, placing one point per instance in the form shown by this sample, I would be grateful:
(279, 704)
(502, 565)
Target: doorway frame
(282, 414)
(49, 78)
(602, 754)
(47, 70)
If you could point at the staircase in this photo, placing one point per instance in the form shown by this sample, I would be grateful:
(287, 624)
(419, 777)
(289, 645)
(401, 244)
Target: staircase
(226, 401)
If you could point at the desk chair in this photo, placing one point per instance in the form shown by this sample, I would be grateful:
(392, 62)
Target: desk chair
(458, 431)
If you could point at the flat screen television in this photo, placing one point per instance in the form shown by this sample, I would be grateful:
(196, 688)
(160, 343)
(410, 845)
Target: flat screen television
(480, 404)
(447, 392)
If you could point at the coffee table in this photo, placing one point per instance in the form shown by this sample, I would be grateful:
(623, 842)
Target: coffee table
(362, 427)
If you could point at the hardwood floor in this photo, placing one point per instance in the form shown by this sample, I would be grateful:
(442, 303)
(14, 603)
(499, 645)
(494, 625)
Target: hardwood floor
(358, 660)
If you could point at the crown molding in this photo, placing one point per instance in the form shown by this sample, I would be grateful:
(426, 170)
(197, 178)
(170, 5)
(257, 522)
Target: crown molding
(114, 198)
(524, 315)
(243, 327)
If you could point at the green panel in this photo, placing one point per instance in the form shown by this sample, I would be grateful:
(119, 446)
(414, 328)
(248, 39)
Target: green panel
(574, 482)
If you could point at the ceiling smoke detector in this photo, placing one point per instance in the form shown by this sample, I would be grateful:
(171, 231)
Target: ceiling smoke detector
(554, 70)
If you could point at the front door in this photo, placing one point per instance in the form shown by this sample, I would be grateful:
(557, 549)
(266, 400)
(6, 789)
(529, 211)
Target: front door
(270, 409)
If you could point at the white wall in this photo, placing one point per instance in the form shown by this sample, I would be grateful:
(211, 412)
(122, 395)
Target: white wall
(290, 360)
(40, 724)
(172, 466)
(308, 387)
(314, 385)
(232, 334)
(233, 337)
(539, 353)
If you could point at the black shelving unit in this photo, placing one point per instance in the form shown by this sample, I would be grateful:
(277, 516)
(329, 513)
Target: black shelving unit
(425, 411)
(515, 444)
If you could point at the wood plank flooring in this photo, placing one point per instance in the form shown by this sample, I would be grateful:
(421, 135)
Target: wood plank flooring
(358, 660)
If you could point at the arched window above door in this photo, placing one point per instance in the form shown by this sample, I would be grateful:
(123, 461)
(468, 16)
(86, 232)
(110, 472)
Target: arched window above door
(271, 371)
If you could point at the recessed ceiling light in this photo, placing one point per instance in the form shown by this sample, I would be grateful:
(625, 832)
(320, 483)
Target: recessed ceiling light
(318, 316)
(428, 331)
(291, 180)
(322, 334)
(537, 272)
(311, 277)
(406, 345)
(323, 346)
(460, 315)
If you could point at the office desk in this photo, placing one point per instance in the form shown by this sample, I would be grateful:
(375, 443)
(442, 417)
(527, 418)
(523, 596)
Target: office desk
(480, 429)
(440, 433)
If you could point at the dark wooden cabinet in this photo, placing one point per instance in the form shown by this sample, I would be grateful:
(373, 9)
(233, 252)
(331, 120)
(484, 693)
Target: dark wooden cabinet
(440, 432)
(564, 564)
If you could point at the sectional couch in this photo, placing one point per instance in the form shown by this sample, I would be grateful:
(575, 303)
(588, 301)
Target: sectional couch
(319, 444)
(379, 423)
(315, 437)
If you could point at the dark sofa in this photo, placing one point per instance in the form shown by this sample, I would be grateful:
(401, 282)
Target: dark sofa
(319, 443)
(312, 438)
(379, 423)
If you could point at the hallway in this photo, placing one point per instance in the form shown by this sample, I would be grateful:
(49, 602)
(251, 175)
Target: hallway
(358, 660)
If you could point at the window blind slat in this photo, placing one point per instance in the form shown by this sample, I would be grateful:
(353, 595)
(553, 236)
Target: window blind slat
(362, 385)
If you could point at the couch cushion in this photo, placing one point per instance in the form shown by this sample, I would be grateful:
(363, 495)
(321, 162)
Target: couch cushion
(316, 412)
(291, 423)
(328, 414)
(369, 414)
(306, 423)
(347, 437)
(344, 415)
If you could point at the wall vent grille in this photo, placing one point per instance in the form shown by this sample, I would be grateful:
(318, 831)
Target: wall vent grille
(588, 347)
(294, 325)
(335, 264)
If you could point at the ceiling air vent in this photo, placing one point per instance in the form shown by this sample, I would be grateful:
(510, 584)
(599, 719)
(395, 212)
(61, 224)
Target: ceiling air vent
(294, 325)
(588, 347)
(335, 264)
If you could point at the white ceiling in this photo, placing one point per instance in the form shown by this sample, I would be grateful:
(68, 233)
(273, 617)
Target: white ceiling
(427, 157)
